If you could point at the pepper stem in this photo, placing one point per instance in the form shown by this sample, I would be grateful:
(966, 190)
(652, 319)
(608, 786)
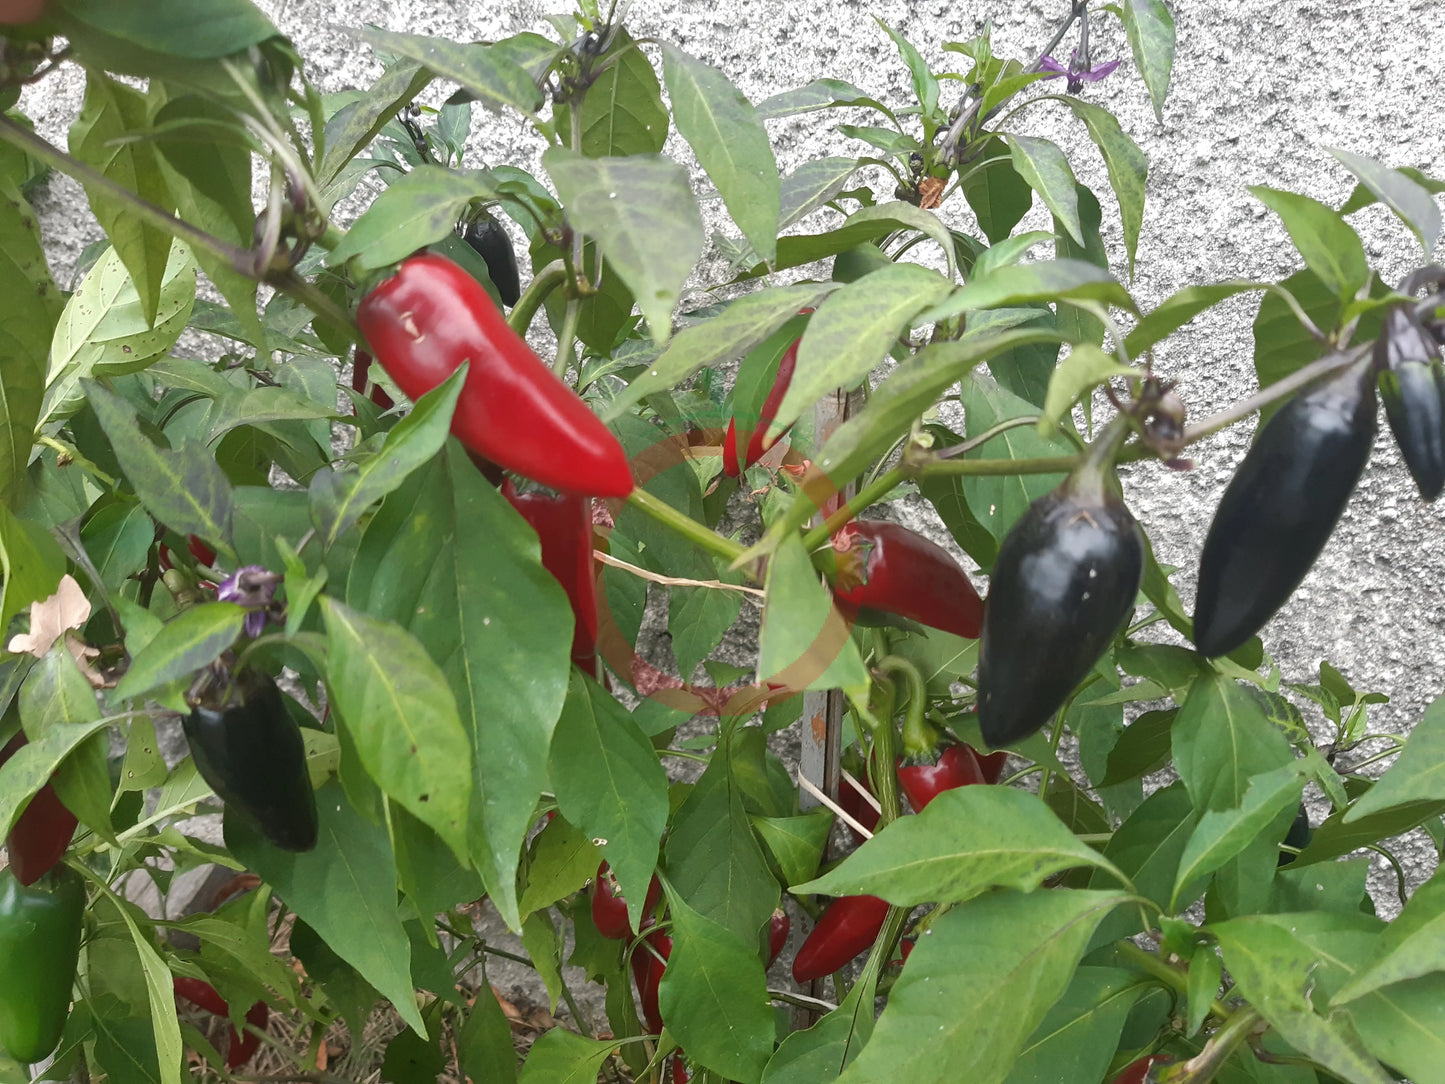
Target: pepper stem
(1093, 481)
(920, 737)
(542, 284)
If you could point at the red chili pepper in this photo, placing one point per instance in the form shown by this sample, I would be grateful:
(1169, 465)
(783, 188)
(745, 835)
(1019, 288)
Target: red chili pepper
(564, 526)
(898, 571)
(240, 1046)
(956, 767)
(200, 551)
(679, 1070)
(360, 377)
(848, 926)
(1137, 1072)
(609, 909)
(754, 437)
(779, 926)
(430, 317)
(42, 832)
(647, 972)
(857, 806)
(991, 765)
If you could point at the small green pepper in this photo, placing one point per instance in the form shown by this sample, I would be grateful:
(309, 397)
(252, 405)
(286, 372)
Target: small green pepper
(39, 947)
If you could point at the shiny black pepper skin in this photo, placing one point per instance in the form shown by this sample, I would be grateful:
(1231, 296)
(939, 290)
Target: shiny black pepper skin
(1412, 384)
(491, 243)
(250, 751)
(1064, 583)
(1281, 507)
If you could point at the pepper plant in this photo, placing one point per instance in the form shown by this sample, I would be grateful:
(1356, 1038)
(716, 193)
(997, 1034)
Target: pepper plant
(392, 569)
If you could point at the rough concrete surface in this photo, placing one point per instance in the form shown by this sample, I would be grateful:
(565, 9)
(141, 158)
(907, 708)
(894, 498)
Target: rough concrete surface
(1260, 88)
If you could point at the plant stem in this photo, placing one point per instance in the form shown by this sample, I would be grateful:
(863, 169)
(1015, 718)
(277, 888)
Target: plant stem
(686, 526)
(542, 284)
(240, 259)
(1170, 976)
(883, 484)
(567, 338)
(1053, 464)
(1202, 1068)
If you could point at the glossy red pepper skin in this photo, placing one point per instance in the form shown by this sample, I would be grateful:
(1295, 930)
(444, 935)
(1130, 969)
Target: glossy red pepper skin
(564, 527)
(992, 765)
(360, 377)
(847, 926)
(754, 437)
(857, 806)
(647, 972)
(42, 832)
(609, 909)
(906, 574)
(779, 926)
(240, 1046)
(956, 767)
(679, 1070)
(428, 318)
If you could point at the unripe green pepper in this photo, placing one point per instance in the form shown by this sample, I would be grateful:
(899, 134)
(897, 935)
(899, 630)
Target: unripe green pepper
(1281, 507)
(40, 930)
(1063, 584)
(249, 749)
(1412, 384)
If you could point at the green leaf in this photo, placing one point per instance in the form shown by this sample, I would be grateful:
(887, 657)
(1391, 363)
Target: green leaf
(183, 488)
(345, 890)
(1272, 968)
(622, 112)
(731, 144)
(995, 191)
(822, 1051)
(1178, 309)
(795, 843)
(402, 719)
(1077, 1038)
(714, 996)
(1411, 947)
(722, 339)
(176, 28)
(484, 1045)
(349, 994)
(640, 209)
(1418, 773)
(419, 209)
(1127, 166)
(31, 565)
(1147, 848)
(338, 499)
(610, 785)
(110, 112)
(498, 624)
(162, 999)
(1003, 959)
(853, 331)
(1081, 372)
(908, 392)
(1141, 749)
(484, 71)
(804, 641)
(979, 838)
(544, 948)
(358, 122)
(811, 185)
(1045, 169)
(1222, 739)
(564, 1057)
(1404, 1026)
(1150, 27)
(1411, 202)
(30, 304)
(56, 695)
(1331, 249)
(1334, 837)
(713, 858)
(31, 767)
(819, 94)
(869, 224)
(1023, 284)
(999, 500)
(1223, 833)
(102, 331)
(563, 861)
(192, 639)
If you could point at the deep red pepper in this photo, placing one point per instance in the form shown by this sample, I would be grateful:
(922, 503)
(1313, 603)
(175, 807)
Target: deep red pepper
(991, 765)
(1137, 1071)
(360, 377)
(431, 316)
(647, 972)
(679, 1070)
(856, 804)
(609, 909)
(42, 832)
(564, 526)
(240, 1046)
(889, 569)
(779, 926)
(956, 767)
(754, 437)
(847, 926)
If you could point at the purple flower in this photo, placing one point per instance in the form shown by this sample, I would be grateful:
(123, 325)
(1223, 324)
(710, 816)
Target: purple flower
(1078, 72)
(254, 587)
